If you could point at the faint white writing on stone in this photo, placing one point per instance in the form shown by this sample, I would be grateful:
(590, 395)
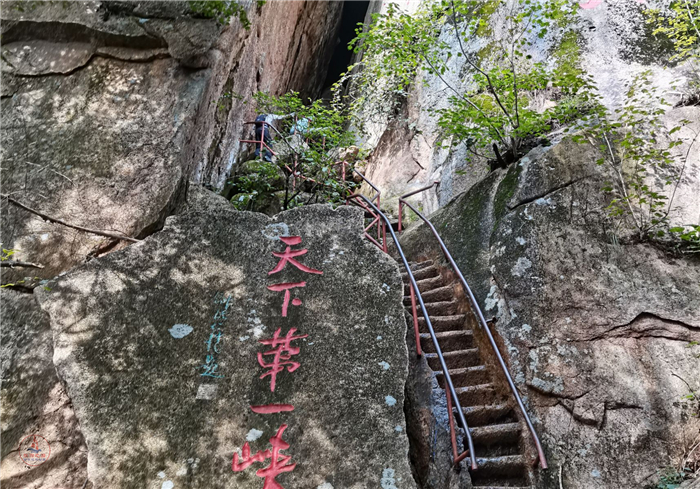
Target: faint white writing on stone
(388, 479)
(520, 266)
(274, 231)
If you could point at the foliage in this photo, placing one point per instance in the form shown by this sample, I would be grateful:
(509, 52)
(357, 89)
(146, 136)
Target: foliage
(6, 254)
(222, 11)
(670, 478)
(636, 146)
(312, 152)
(493, 93)
(681, 23)
(258, 180)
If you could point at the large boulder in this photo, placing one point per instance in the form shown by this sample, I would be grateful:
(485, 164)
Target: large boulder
(601, 331)
(35, 402)
(109, 108)
(160, 348)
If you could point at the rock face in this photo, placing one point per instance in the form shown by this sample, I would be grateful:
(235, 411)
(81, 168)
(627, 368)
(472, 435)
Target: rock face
(110, 108)
(615, 43)
(599, 332)
(160, 346)
(34, 401)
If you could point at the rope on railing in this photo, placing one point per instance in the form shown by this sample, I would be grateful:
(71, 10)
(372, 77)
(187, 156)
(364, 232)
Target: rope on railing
(480, 316)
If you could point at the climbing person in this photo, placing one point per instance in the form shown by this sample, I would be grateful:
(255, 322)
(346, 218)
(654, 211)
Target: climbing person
(262, 133)
(301, 126)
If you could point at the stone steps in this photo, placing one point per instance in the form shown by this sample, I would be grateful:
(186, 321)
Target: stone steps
(475, 395)
(454, 359)
(424, 285)
(486, 414)
(444, 293)
(449, 340)
(422, 273)
(442, 323)
(494, 426)
(507, 434)
(419, 265)
(465, 376)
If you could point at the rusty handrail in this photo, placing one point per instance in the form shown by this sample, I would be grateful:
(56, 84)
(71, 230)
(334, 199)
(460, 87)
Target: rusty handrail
(423, 189)
(377, 192)
(381, 226)
(438, 350)
(482, 320)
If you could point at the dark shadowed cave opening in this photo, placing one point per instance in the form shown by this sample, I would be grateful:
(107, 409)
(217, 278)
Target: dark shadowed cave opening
(354, 12)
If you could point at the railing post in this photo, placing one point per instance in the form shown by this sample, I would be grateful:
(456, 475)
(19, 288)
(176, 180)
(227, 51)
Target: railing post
(419, 351)
(400, 213)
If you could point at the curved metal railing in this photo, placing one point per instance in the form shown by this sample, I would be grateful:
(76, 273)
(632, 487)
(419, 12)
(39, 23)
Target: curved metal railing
(376, 219)
(438, 350)
(480, 316)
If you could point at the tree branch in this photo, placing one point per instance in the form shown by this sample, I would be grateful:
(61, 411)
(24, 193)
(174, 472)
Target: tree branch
(472, 104)
(692, 19)
(473, 65)
(20, 264)
(64, 223)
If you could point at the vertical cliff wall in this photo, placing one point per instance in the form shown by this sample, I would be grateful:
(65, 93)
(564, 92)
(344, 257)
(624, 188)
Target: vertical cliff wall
(614, 43)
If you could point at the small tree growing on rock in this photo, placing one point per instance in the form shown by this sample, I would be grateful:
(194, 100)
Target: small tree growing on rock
(492, 93)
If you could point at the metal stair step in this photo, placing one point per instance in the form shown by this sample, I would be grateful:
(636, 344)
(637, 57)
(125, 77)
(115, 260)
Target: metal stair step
(449, 340)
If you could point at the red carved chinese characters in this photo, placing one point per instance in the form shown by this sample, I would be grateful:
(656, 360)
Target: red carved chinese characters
(278, 463)
(288, 256)
(282, 352)
(287, 294)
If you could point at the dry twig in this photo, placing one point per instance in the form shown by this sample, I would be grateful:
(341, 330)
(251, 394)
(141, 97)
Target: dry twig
(64, 223)
(20, 264)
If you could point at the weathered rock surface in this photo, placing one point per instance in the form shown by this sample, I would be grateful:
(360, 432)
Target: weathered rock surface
(599, 333)
(34, 401)
(616, 44)
(135, 330)
(110, 108)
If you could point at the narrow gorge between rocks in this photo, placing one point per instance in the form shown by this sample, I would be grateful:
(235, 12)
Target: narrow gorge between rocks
(434, 244)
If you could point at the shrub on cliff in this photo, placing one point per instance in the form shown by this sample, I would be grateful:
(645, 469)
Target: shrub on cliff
(493, 84)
